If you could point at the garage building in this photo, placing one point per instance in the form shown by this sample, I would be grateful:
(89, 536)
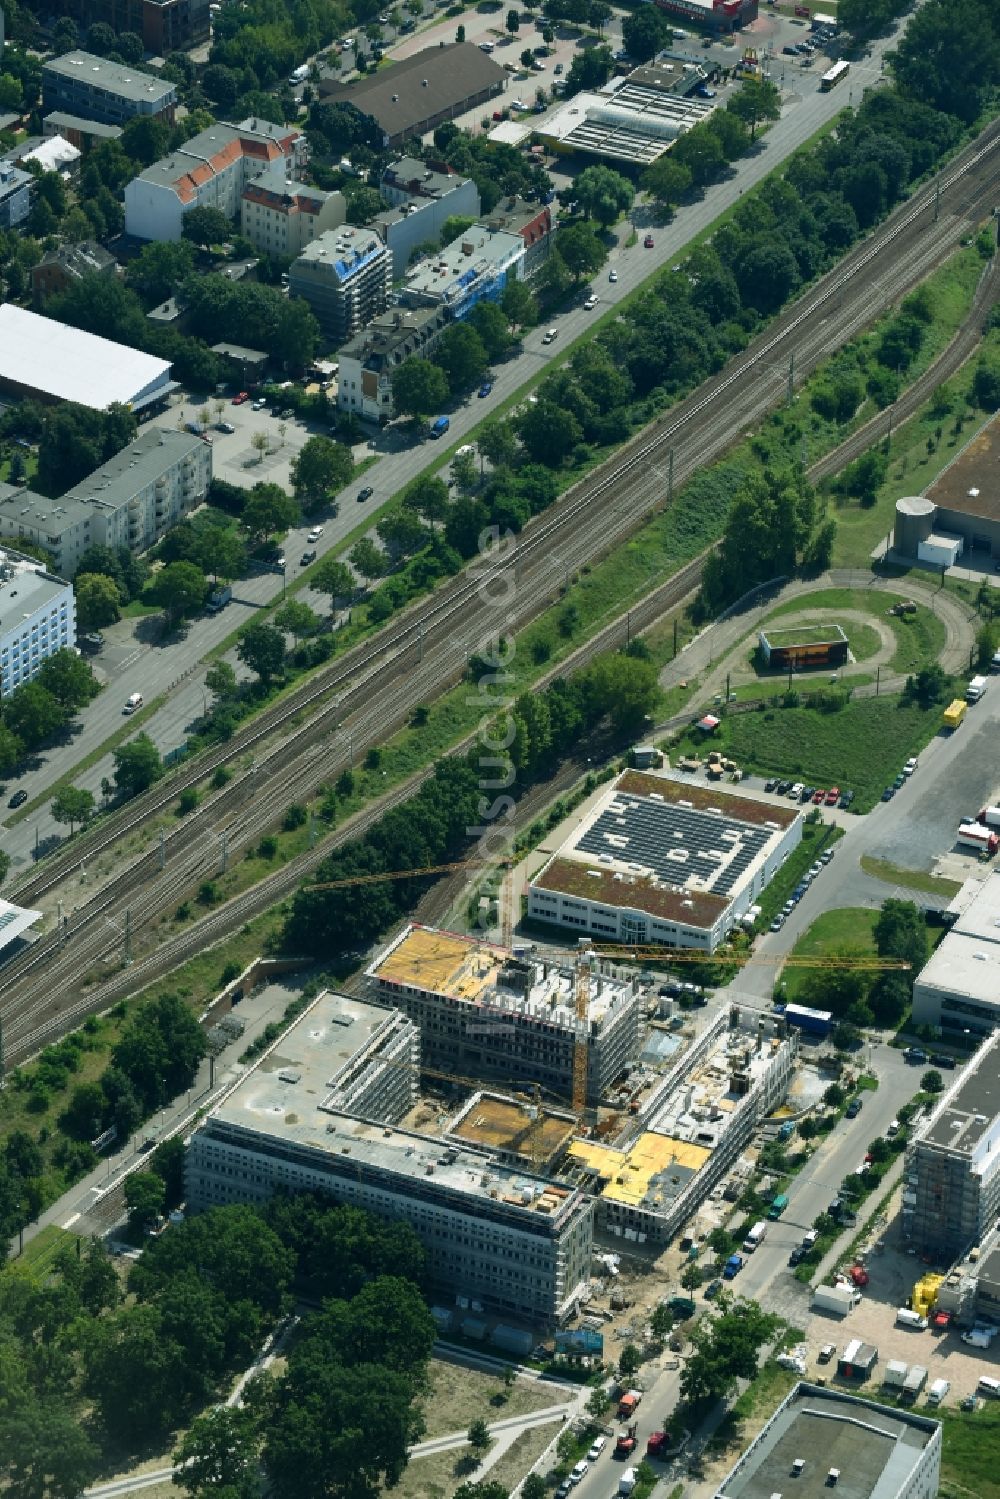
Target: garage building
(960, 513)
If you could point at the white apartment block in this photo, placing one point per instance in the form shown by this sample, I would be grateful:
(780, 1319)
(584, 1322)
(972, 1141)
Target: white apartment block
(281, 216)
(209, 171)
(37, 618)
(420, 203)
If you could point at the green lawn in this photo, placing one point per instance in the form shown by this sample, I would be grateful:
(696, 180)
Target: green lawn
(40, 1252)
(920, 637)
(851, 927)
(970, 1459)
(914, 879)
(862, 746)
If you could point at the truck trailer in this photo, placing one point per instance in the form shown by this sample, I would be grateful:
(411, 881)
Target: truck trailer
(989, 817)
(817, 1023)
(974, 835)
(895, 1374)
(913, 1383)
(975, 689)
(836, 1299)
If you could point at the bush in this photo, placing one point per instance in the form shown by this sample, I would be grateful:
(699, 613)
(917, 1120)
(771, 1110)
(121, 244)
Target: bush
(295, 817)
(187, 801)
(267, 848)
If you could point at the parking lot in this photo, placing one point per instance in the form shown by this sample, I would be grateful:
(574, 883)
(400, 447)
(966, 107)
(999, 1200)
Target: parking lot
(234, 458)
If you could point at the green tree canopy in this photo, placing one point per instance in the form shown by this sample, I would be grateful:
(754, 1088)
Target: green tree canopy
(418, 387)
(72, 804)
(321, 468)
(268, 510)
(332, 576)
(137, 765)
(179, 589)
(601, 192)
(206, 226)
(262, 648)
(98, 601)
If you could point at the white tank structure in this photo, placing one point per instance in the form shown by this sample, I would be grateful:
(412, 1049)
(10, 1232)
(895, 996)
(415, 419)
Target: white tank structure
(915, 518)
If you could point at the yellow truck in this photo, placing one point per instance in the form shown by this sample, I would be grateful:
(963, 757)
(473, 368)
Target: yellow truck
(954, 713)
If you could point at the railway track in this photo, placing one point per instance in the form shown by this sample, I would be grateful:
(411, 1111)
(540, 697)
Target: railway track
(373, 688)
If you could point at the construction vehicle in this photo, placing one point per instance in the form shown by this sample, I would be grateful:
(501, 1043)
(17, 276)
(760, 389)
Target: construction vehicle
(628, 1404)
(626, 1443)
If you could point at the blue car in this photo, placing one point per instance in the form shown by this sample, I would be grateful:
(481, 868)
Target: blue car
(485, 389)
(888, 793)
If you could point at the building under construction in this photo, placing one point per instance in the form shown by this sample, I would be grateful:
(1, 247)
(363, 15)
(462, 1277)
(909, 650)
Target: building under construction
(486, 1013)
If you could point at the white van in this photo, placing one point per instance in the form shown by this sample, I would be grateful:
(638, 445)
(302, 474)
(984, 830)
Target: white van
(938, 1391)
(989, 1386)
(134, 702)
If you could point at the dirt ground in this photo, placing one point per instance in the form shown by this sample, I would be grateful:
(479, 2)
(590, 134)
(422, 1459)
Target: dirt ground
(438, 1477)
(459, 1395)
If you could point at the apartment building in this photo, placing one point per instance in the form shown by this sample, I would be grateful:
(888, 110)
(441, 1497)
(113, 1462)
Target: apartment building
(369, 359)
(473, 268)
(165, 25)
(211, 170)
(65, 265)
(77, 131)
(281, 216)
(951, 1181)
(15, 195)
(130, 501)
(80, 83)
(484, 1013)
(320, 1111)
(37, 618)
(346, 277)
(420, 201)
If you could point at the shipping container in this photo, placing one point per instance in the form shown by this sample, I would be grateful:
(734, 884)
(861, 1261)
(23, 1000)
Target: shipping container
(837, 1299)
(895, 1374)
(954, 713)
(813, 1022)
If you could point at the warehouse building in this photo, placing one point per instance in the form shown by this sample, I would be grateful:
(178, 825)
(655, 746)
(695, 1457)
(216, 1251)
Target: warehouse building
(369, 359)
(320, 1111)
(49, 361)
(111, 92)
(666, 861)
(803, 647)
(822, 1440)
(960, 513)
(130, 501)
(486, 1014)
(37, 618)
(958, 987)
(473, 268)
(690, 1128)
(346, 277)
(412, 96)
(951, 1184)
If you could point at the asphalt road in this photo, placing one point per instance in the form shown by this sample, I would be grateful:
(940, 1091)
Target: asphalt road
(154, 669)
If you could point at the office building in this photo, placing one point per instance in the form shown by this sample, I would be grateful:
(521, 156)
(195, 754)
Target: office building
(951, 1182)
(821, 1441)
(475, 267)
(411, 97)
(484, 1013)
(130, 501)
(15, 195)
(420, 203)
(51, 361)
(369, 359)
(37, 618)
(346, 277)
(690, 1125)
(662, 860)
(281, 216)
(112, 92)
(211, 170)
(961, 510)
(958, 988)
(321, 1111)
(63, 267)
(165, 25)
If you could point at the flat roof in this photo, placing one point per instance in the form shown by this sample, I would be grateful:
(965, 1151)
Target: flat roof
(804, 635)
(626, 121)
(874, 1448)
(651, 1173)
(978, 906)
(33, 509)
(116, 77)
(506, 1125)
(25, 587)
(40, 354)
(966, 966)
(286, 1094)
(344, 251)
(969, 484)
(968, 1109)
(447, 274)
(63, 121)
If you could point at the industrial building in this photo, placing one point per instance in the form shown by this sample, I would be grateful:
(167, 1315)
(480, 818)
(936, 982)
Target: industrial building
(486, 1014)
(37, 618)
(320, 1111)
(46, 360)
(412, 96)
(665, 861)
(346, 277)
(368, 360)
(281, 216)
(211, 170)
(951, 1181)
(958, 987)
(473, 268)
(65, 265)
(130, 501)
(821, 1441)
(82, 83)
(420, 201)
(803, 647)
(690, 1128)
(960, 513)
(635, 119)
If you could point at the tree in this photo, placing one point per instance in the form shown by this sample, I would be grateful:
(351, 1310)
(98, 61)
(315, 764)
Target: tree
(533, 1486)
(590, 69)
(513, 21)
(834, 1095)
(691, 1277)
(464, 471)
(948, 56)
(401, 532)
(602, 193)
(297, 619)
(68, 678)
(646, 32)
(929, 686)
(428, 497)
(137, 765)
(479, 1436)
(72, 804)
(267, 511)
(579, 249)
(462, 356)
(98, 601)
(321, 468)
(262, 648)
(179, 589)
(367, 559)
(220, 679)
(33, 715)
(220, 1455)
(726, 1349)
(932, 1081)
(625, 689)
(418, 387)
(43, 1449)
(598, 1403)
(206, 226)
(259, 443)
(490, 322)
(901, 933)
(518, 305)
(846, 1036)
(755, 100)
(145, 139)
(167, 1161)
(629, 1360)
(144, 1197)
(549, 434)
(667, 180)
(332, 576)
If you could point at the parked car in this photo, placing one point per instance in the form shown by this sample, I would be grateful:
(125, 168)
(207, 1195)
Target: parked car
(365, 494)
(808, 792)
(225, 427)
(648, 242)
(771, 784)
(819, 796)
(888, 793)
(259, 404)
(782, 788)
(942, 1059)
(18, 799)
(287, 414)
(795, 791)
(777, 923)
(704, 92)
(846, 798)
(93, 641)
(789, 51)
(797, 1255)
(910, 766)
(833, 796)
(915, 1055)
(853, 1108)
(712, 1289)
(244, 395)
(485, 389)
(826, 856)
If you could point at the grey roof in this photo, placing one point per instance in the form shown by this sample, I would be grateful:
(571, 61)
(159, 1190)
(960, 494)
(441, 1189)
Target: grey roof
(875, 1449)
(117, 78)
(402, 96)
(415, 177)
(85, 259)
(31, 509)
(141, 463)
(63, 121)
(343, 252)
(28, 588)
(394, 336)
(12, 179)
(971, 1105)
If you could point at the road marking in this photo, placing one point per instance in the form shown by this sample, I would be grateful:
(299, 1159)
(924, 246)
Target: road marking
(71, 1220)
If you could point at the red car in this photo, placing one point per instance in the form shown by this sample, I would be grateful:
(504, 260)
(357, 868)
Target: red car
(833, 796)
(819, 797)
(648, 242)
(244, 395)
